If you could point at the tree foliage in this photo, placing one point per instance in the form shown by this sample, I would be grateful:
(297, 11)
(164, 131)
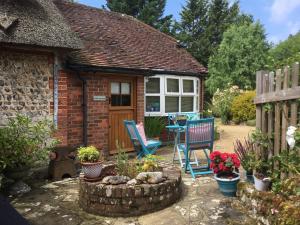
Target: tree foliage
(203, 23)
(241, 53)
(149, 11)
(286, 52)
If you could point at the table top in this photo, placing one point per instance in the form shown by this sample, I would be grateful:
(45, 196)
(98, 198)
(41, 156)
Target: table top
(174, 127)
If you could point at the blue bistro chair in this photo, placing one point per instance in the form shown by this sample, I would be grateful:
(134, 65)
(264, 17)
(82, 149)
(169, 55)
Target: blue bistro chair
(172, 119)
(199, 137)
(139, 146)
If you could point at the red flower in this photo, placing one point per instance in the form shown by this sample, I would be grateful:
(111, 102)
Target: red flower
(223, 162)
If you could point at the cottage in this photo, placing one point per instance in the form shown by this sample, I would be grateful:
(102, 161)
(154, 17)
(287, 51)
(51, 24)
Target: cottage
(104, 67)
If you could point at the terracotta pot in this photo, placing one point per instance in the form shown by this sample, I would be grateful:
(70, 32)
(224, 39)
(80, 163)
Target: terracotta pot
(91, 170)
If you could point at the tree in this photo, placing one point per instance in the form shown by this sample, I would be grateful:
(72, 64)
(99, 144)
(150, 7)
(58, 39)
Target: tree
(285, 53)
(241, 53)
(150, 12)
(203, 23)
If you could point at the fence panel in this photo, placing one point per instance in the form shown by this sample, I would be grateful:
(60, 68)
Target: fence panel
(277, 106)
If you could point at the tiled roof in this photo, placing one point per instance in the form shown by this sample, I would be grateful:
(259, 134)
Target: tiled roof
(120, 41)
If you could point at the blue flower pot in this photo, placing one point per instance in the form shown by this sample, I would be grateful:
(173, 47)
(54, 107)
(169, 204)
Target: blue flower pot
(228, 187)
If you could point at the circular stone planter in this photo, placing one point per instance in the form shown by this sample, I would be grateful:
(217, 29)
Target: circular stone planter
(125, 200)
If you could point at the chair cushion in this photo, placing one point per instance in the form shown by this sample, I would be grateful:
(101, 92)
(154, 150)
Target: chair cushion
(202, 133)
(153, 143)
(141, 130)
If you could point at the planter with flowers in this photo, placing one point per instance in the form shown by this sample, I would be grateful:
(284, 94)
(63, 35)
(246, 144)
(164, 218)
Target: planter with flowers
(225, 167)
(91, 161)
(246, 154)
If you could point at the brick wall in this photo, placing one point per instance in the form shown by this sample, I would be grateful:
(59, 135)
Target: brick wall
(70, 109)
(140, 114)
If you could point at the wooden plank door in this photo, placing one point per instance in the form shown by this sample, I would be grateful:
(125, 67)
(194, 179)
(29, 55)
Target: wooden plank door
(122, 106)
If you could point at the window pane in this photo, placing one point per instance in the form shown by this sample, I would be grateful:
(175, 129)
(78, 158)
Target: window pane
(125, 88)
(152, 104)
(172, 85)
(115, 88)
(125, 100)
(153, 85)
(188, 86)
(187, 104)
(172, 104)
(115, 100)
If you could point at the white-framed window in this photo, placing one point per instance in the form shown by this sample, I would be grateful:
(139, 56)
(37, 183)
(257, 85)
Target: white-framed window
(169, 94)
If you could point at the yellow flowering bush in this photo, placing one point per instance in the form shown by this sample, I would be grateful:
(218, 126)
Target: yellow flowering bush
(243, 107)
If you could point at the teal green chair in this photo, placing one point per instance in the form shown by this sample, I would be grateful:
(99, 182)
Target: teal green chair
(199, 136)
(141, 149)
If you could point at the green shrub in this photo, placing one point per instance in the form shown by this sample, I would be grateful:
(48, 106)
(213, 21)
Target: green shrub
(222, 103)
(243, 108)
(24, 142)
(89, 154)
(154, 126)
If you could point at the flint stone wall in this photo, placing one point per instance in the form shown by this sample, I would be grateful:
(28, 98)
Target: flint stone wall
(125, 200)
(24, 84)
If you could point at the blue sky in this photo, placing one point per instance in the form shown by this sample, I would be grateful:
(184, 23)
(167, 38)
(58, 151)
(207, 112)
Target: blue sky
(279, 17)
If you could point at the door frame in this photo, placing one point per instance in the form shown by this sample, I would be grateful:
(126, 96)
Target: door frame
(133, 106)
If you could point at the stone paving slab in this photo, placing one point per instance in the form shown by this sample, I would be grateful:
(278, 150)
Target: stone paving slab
(56, 203)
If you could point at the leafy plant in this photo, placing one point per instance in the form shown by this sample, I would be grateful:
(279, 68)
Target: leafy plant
(222, 103)
(288, 163)
(126, 167)
(89, 154)
(246, 154)
(150, 163)
(260, 138)
(154, 126)
(243, 108)
(24, 142)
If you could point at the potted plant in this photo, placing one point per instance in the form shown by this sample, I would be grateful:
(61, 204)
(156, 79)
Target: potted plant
(91, 161)
(262, 163)
(246, 155)
(262, 180)
(225, 167)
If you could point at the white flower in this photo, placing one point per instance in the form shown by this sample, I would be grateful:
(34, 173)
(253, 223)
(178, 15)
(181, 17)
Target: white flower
(290, 133)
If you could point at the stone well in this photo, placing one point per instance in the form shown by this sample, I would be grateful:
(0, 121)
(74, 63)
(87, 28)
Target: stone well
(130, 200)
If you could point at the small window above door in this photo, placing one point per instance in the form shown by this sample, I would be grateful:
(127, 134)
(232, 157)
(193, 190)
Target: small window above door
(120, 93)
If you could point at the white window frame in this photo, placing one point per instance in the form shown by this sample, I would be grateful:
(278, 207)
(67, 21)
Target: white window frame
(194, 84)
(163, 93)
(166, 86)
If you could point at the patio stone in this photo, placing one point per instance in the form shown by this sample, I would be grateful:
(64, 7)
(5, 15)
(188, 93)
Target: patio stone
(201, 204)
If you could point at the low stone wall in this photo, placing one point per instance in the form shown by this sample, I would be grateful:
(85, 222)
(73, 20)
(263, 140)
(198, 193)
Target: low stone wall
(269, 208)
(125, 200)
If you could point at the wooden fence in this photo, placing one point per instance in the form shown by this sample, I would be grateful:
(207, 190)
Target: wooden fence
(277, 103)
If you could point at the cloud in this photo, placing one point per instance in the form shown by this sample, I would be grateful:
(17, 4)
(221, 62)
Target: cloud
(280, 9)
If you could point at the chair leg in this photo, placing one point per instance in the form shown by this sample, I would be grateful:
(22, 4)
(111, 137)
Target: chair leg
(179, 156)
(195, 158)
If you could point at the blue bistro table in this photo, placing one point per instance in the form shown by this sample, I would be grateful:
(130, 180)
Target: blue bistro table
(177, 130)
